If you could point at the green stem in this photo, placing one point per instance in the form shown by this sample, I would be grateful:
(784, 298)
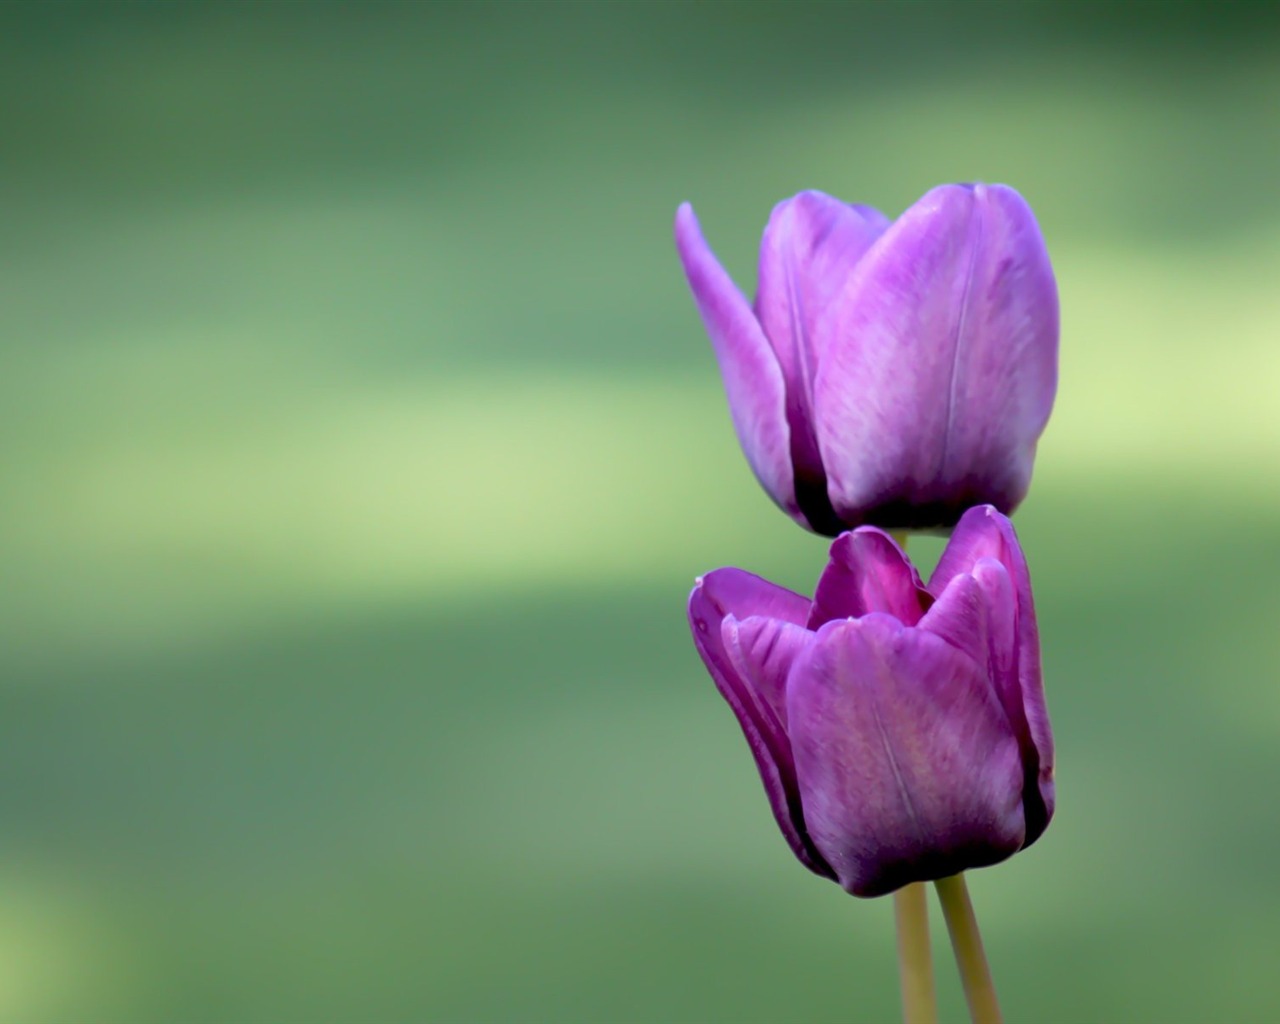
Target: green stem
(971, 960)
(911, 915)
(915, 962)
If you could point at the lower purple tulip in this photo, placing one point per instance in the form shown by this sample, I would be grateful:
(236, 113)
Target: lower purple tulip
(900, 730)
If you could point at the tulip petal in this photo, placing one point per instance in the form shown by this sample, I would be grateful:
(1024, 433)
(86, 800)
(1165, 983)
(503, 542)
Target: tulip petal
(762, 650)
(939, 362)
(868, 572)
(960, 617)
(907, 768)
(753, 381)
(983, 533)
(810, 247)
(750, 680)
(978, 614)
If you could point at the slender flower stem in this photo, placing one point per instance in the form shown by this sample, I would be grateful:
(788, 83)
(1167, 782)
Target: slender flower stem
(971, 960)
(915, 962)
(911, 915)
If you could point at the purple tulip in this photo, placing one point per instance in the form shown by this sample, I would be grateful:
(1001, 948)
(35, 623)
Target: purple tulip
(888, 373)
(900, 730)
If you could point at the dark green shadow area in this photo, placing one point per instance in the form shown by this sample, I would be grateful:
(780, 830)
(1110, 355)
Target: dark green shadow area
(468, 183)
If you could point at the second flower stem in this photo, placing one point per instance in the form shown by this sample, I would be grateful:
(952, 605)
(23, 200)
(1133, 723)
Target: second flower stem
(971, 959)
(911, 915)
(915, 962)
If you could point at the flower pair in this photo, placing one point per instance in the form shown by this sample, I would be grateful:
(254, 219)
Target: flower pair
(896, 376)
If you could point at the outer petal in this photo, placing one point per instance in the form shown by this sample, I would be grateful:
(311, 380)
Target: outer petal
(978, 614)
(810, 247)
(983, 533)
(940, 367)
(867, 573)
(752, 378)
(738, 656)
(961, 616)
(906, 765)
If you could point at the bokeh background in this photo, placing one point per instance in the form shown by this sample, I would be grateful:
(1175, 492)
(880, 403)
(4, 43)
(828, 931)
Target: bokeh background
(360, 444)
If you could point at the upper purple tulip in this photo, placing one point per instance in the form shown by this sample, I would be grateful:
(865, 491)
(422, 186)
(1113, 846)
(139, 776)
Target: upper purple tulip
(900, 730)
(888, 373)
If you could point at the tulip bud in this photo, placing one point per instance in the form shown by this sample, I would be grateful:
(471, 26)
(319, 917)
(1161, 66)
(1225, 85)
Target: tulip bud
(892, 374)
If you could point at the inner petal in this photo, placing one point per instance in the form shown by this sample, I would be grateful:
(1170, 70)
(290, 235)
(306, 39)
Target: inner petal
(868, 572)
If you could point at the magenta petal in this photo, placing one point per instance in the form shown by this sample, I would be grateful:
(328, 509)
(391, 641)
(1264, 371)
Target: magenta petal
(983, 533)
(742, 594)
(752, 378)
(1035, 740)
(939, 362)
(978, 614)
(750, 680)
(811, 245)
(906, 765)
(868, 572)
(960, 617)
(762, 651)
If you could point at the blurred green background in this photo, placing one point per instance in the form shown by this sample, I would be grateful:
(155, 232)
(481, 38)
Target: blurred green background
(360, 444)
